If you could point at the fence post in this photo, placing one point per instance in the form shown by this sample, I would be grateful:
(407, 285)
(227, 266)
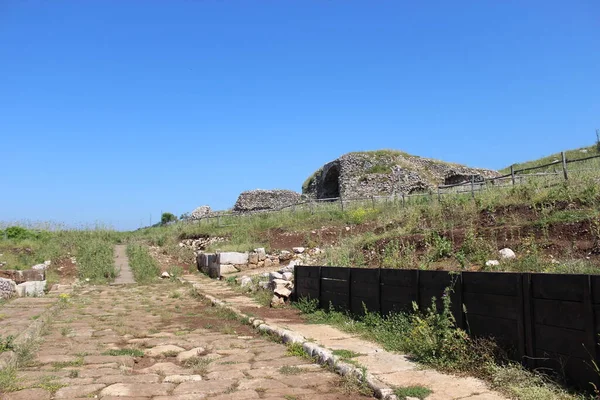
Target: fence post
(473, 186)
(564, 164)
(402, 200)
(373, 201)
(342, 203)
(512, 174)
(439, 195)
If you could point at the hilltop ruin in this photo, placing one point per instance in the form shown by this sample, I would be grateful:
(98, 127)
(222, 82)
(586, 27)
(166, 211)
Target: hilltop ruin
(385, 172)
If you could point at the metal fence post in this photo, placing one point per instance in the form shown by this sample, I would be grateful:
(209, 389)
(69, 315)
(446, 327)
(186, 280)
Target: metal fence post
(439, 195)
(373, 201)
(341, 202)
(564, 164)
(473, 186)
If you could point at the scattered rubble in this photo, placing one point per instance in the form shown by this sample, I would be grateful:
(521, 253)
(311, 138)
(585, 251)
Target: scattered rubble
(280, 281)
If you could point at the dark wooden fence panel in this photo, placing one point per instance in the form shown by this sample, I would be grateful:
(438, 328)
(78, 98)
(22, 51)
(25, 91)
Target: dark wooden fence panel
(546, 320)
(494, 308)
(399, 289)
(433, 284)
(335, 288)
(307, 282)
(364, 290)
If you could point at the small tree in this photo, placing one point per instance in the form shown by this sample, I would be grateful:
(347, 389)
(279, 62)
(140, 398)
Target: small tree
(167, 217)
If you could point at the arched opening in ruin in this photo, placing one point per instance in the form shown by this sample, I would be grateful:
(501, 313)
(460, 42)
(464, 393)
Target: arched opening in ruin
(331, 183)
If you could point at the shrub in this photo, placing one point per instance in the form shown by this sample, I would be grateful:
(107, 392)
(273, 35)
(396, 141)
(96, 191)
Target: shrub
(167, 217)
(18, 233)
(360, 215)
(307, 305)
(438, 247)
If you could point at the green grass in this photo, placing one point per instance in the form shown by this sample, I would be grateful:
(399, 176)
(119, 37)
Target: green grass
(290, 370)
(432, 339)
(43, 242)
(570, 154)
(198, 364)
(124, 352)
(144, 266)
(6, 343)
(420, 392)
(95, 260)
(8, 379)
(345, 354)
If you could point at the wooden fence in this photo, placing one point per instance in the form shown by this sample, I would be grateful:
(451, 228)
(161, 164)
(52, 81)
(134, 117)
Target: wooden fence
(545, 321)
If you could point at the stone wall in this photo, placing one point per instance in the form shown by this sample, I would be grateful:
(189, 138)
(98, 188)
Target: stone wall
(258, 200)
(387, 172)
(217, 265)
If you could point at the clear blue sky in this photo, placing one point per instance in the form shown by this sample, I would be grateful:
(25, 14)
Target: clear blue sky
(112, 110)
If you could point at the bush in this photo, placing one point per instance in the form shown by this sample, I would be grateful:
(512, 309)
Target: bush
(438, 247)
(307, 305)
(167, 217)
(18, 233)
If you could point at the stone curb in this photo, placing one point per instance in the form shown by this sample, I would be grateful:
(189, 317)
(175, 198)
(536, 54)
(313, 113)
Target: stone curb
(321, 354)
(30, 334)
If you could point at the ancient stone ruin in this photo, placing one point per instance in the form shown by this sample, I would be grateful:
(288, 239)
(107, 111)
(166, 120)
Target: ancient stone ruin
(200, 212)
(386, 172)
(260, 200)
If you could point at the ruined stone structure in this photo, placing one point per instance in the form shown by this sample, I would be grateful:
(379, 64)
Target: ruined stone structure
(385, 172)
(259, 200)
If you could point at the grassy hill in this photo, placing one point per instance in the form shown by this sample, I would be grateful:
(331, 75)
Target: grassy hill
(574, 154)
(553, 225)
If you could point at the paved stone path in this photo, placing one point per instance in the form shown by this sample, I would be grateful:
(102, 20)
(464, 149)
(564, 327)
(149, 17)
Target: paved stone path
(162, 342)
(122, 264)
(392, 369)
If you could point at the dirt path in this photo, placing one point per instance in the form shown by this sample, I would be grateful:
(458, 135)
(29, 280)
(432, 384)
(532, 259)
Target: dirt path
(394, 370)
(122, 264)
(162, 342)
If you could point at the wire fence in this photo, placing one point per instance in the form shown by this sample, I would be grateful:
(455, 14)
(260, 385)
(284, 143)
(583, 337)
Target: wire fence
(550, 174)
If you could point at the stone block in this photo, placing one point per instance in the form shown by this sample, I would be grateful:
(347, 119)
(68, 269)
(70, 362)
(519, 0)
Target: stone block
(8, 288)
(262, 254)
(253, 258)
(23, 276)
(225, 269)
(31, 288)
(288, 276)
(232, 257)
(275, 275)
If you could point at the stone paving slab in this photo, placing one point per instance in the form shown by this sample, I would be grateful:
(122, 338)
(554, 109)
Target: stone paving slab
(162, 342)
(394, 370)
